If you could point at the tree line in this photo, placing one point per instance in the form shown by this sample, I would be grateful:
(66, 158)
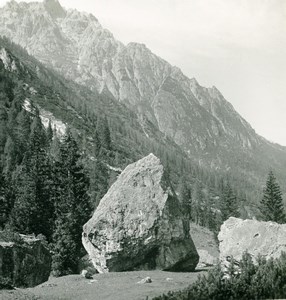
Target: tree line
(205, 209)
(45, 184)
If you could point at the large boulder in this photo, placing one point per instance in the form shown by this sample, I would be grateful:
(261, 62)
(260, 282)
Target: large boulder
(236, 236)
(139, 224)
(25, 262)
(206, 244)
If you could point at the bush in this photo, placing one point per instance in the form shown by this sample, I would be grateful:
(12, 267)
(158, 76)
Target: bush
(6, 283)
(264, 280)
(10, 236)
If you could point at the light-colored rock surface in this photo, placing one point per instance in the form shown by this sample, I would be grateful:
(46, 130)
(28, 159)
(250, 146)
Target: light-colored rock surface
(86, 274)
(139, 225)
(145, 280)
(206, 259)
(27, 264)
(206, 245)
(237, 236)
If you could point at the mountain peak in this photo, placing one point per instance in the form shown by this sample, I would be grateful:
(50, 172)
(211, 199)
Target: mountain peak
(194, 81)
(215, 92)
(53, 2)
(137, 45)
(54, 8)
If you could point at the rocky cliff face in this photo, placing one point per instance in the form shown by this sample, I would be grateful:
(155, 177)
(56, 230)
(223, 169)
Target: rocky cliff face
(26, 264)
(139, 224)
(198, 119)
(79, 47)
(236, 236)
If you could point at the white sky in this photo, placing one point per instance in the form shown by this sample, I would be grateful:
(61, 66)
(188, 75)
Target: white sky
(237, 45)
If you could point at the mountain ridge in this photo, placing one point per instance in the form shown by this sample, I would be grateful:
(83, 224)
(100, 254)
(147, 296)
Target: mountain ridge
(132, 49)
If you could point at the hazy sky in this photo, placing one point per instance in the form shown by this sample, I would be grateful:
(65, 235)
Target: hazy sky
(237, 45)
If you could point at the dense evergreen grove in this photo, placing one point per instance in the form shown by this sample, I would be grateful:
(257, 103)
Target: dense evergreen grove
(43, 191)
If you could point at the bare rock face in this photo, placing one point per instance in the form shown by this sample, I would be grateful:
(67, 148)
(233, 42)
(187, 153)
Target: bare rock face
(139, 224)
(26, 263)
(206, 245)
(237, 236)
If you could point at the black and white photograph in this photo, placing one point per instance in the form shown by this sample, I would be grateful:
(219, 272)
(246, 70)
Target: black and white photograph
(142, 149)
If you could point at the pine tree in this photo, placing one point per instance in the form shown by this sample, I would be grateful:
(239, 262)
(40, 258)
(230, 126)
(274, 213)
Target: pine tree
(271, 205)
(72, 208)
(54, 150)
(50, 132)
(3, 121)
(23, 131)
(185, 197)
(103, 131)
(97, 144)
(25, 211)
(3, 202)
(33, 210)
(228, 205)
(38, 139)
(10, 155)
(198, 199)
(99, 182)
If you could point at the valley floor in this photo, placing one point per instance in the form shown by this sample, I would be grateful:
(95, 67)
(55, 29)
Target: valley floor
(111, 286)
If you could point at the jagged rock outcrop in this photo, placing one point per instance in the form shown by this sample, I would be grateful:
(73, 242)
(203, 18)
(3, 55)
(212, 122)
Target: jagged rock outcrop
(139, 224)
(75, 44)
(26, 263)
(206, 245)
(236, 236)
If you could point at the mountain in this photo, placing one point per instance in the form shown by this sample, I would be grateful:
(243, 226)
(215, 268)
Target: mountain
(164, 101)
(67, 104)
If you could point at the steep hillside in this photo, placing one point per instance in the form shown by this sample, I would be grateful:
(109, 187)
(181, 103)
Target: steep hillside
(28, 88)
(197, 119)
(67, 104)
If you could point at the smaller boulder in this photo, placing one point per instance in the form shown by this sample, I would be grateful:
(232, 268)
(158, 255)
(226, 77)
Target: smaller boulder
(237, 236)
(85, 263)
(86, 274)
(145, 280)
(25, 261)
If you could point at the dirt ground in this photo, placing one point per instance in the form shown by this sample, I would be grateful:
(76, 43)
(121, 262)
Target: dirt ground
(110, 286)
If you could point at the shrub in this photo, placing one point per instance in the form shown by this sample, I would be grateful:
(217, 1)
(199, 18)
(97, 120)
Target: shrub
(264, 280)
(5, 283)
(10, 236)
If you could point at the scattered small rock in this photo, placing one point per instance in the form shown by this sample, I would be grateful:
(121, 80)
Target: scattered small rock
(86, 274)
(145, 280)
(92, 281)
(49, 285)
